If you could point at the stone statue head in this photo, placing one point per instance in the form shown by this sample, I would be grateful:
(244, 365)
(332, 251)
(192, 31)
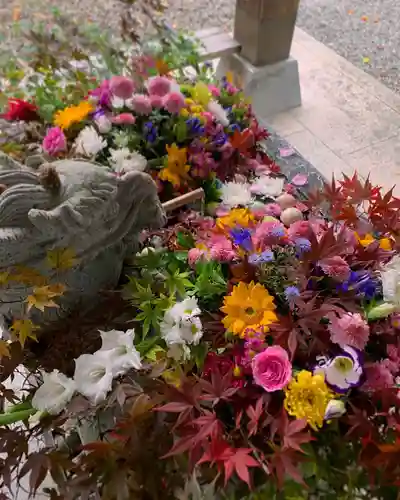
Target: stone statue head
(77, 205)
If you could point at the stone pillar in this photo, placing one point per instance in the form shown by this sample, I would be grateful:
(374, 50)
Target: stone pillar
(264, 29)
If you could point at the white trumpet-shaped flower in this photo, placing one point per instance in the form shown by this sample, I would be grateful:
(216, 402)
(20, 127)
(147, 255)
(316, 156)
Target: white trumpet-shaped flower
(54, 394)
(123, 354)
(94, 375)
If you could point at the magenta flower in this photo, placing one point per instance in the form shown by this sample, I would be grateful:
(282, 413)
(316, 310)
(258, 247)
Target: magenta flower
(141, 104)
(174, 102)
(195, 255)
(122, 87)
(124, 119)
(159, 86)
(102, 94)
(350, 329)
(300, 229)
(215, 91)
(272, 209)
(272, 369)
(55, 141)
(378, 378)
(335, 267)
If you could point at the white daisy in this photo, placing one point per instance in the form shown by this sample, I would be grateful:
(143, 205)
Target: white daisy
(89, 143)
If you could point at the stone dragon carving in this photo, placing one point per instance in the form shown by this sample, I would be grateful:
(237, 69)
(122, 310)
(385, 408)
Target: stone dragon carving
(70, 204)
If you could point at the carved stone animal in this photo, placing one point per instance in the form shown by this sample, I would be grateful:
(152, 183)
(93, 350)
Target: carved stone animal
(73, 205)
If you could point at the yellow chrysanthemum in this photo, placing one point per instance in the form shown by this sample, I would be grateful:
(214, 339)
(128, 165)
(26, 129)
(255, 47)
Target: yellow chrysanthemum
(248, 308)
(307, 396)
(73, 114)
(241, 217)
(384, 243)
(176, 169)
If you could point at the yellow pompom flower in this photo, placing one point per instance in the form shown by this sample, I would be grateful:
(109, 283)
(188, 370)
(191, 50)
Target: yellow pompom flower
(384, 243)
(176, 169)
(241, 217)
(73, 114)
(248, 308)
(307, 396)
(184, 113)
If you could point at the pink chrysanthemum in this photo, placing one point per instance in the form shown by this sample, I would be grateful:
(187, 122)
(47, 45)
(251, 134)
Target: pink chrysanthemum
(195, 255)
(300, 229)
(159, 86)
(269, 233)
(122, 87)
(335, 267)
(222, 250)
(272, 209)
(174, 102)
(124, 119)
(378, 378)
(350, 329)
(141, 104)
(156, 101)
(55, 141)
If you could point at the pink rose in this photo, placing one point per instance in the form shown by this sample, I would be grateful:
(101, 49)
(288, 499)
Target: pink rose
(122, 87)
(272, 369)
(124, 119)
(174, 102)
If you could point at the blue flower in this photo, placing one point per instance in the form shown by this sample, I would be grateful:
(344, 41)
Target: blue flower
(150, 132)
(277, 232)
(361, 283)
(291, 292)
(302, 245)
(261, 258)
(194, 126)
(242, 238)
(220, 139)
(234, 126)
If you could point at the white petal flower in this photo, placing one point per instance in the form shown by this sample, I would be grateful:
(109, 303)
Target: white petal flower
(218, 112)
(181, 324)
(123, 353)
(390, 277)
(267, 186)
(342, 372)
(54, 394)
(335, 409)
(117, 102)
(123, 160)
(179, 352)
(89, 142)
(103, 124)
(93, 375)
(236, 193)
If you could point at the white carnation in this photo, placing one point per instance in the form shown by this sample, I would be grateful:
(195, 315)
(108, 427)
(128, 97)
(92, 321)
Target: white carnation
(54, 394)
(218, 112)
(89, 143)
(236, 193)
(123, 160)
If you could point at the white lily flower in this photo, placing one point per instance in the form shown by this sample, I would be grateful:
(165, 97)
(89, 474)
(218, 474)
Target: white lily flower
(122, 351)
(218, 112)
(54, 394)
(123, 160)
(236, 193)
(94, 376)
(267, 186)
(89, 142)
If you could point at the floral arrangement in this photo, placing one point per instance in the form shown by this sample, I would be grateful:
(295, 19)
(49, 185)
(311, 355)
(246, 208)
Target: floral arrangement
(258, 355)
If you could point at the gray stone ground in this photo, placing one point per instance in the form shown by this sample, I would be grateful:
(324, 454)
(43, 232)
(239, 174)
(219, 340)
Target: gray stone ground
(371, 42)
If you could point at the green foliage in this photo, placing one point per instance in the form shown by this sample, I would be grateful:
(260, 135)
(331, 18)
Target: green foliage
(210, 282)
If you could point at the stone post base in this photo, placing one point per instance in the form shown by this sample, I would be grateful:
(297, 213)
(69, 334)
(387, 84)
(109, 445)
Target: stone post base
(273, 88)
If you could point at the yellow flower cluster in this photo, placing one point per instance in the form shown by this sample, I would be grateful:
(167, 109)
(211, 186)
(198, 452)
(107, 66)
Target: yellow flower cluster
(73, 114)
(192, 109)
(176, 169)
(366, 240)
(307, 396)
(237, 217)
(249, 308)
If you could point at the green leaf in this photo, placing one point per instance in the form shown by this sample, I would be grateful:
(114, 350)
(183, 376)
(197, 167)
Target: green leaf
(185, 240)
(180, 131)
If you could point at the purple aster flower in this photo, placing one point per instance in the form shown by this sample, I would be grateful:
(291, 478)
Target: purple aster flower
(302, 245)
(261, 258)
(343, 371)
(242, 238)
(291, 292)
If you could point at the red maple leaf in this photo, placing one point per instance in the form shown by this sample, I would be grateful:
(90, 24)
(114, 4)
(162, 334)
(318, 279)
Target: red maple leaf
(242, 141)
(254, 413)
(291, 433)
(231, 459)
(220, 387)
(356, 192)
